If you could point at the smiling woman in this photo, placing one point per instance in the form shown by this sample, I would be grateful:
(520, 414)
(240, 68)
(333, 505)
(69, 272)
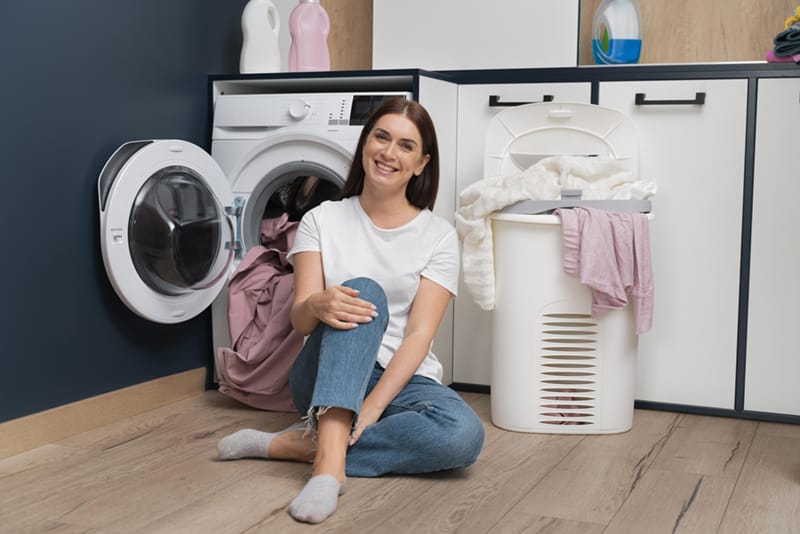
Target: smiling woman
(374, 273)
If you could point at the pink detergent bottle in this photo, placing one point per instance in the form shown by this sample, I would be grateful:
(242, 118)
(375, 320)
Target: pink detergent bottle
(309, 26)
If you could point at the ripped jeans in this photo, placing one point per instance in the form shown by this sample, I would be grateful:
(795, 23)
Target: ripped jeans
(427, 427)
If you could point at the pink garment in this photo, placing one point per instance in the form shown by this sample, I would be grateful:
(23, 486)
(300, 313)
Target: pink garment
(610, 253)
(255, 370)
(772, 58)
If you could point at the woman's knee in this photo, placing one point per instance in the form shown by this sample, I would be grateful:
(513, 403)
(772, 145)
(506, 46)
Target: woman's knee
(369, 290)
(460, 437)
(467, 438)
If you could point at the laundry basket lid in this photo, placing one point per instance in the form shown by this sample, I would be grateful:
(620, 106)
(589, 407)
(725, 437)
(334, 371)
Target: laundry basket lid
(518, 137)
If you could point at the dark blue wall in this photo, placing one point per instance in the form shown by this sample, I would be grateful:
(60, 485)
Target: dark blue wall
(79, 78)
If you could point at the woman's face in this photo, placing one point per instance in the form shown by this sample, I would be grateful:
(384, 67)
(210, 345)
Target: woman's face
(392, 153)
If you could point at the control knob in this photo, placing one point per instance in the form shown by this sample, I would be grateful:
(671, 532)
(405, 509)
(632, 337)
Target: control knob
(299, 109)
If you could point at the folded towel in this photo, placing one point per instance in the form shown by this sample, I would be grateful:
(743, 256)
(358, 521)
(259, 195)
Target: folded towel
(598, 178)
(787, 43)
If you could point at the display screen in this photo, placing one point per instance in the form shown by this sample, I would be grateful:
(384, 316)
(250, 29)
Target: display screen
(364, 105)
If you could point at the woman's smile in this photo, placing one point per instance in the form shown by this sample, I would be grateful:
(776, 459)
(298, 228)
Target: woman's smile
(383, 167)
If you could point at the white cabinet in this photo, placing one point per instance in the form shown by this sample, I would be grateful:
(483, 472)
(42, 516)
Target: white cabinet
(695, 153)
(440, 98)
(472, 326)
(474, 34)
(773, 367)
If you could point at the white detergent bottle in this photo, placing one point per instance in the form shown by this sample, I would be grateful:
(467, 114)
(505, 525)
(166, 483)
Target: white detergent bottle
(260, 28)
(309, 26)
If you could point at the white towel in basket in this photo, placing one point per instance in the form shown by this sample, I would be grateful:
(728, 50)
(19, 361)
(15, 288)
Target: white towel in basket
(598, 178)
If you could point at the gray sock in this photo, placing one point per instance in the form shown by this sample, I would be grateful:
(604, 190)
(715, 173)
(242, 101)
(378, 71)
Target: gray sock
(249, 443)
(246, 443)
(318, 499)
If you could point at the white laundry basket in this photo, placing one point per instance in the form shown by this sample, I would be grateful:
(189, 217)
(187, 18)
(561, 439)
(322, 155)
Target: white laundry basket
(555, 369)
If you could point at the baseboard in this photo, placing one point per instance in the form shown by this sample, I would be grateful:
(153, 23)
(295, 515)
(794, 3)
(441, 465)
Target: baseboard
(38, 429)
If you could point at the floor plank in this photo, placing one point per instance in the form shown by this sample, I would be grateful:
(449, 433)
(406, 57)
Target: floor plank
(507, 469)
(523, 522)
(31, 459)
(767, 494)
(674, 502)
(707, 446)
(594, 479)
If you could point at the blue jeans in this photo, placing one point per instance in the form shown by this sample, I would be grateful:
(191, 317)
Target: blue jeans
(426, 428)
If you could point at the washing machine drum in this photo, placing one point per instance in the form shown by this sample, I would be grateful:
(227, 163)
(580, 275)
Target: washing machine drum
(174, 232)
(166, 237)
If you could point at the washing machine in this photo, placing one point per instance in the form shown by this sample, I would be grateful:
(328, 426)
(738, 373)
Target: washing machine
(175, 220)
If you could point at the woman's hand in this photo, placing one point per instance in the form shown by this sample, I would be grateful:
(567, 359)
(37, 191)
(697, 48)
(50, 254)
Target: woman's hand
(340, 307)
(368, 415)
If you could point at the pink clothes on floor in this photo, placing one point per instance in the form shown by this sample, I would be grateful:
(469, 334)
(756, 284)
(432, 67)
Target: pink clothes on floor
(610, 253)
(255, 370)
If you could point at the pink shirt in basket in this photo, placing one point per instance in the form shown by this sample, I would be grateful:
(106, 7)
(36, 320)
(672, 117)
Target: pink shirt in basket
(610, 253)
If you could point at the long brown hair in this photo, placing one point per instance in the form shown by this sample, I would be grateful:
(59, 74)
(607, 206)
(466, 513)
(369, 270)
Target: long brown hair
(421, 190)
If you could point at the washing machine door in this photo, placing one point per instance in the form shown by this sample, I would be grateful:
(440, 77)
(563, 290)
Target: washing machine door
(165, 231)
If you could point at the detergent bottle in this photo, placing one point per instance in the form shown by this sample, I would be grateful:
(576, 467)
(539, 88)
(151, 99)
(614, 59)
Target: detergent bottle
(309, 26)
(617, 32)
(260, 28)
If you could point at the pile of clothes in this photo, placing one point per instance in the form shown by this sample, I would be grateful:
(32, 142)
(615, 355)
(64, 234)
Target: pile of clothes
(787, 43)
(255, 369)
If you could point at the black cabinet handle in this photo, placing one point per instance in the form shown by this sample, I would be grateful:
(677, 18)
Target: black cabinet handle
(699, 100)
(494, 101)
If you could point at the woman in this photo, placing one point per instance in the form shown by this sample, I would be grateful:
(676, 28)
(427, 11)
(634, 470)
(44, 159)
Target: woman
(374, 273)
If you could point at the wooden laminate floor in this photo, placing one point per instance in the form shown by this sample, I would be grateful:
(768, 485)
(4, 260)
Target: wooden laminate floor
(158, 472)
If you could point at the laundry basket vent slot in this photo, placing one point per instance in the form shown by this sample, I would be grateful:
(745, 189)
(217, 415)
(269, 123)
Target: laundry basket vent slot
(568, 315)
(568, 349)
(568, 340)
(570, 332)
(566, 422)
(571, 390)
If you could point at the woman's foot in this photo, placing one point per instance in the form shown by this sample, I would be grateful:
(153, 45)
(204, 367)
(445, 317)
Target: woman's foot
(318, 499)
(320, 496)
(288, 444)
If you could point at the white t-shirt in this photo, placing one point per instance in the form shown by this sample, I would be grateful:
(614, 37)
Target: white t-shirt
(352, 246)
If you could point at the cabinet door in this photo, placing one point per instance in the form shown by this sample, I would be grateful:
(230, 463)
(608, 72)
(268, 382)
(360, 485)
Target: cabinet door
(773, 368)
(695, 154)
(472, 34)
(473, 326)
(440, 98)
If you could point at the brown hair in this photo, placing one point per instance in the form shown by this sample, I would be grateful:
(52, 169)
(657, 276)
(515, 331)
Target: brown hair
(421, 190)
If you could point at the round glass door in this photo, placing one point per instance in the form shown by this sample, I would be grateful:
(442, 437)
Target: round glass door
(168, 242)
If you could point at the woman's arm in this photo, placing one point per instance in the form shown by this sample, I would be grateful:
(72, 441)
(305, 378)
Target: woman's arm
(337, 306)
(426, 313)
